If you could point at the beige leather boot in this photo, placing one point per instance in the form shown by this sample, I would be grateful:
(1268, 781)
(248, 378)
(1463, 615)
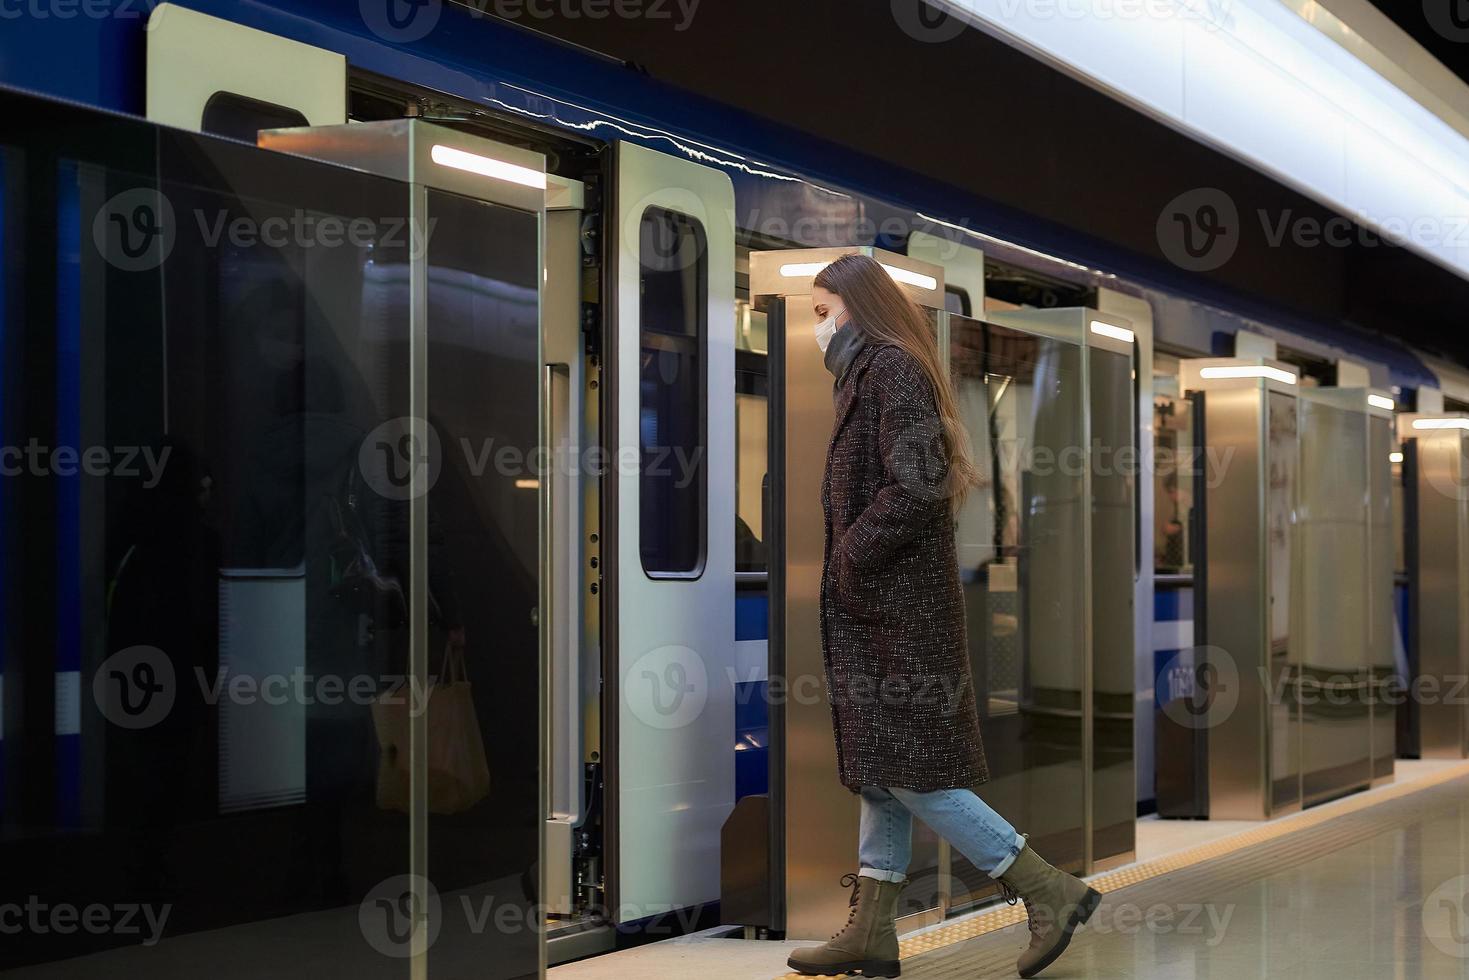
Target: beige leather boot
(1056, 903)
(868, 944)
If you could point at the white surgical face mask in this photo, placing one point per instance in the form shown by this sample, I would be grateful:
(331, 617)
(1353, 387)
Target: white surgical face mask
(827, 329)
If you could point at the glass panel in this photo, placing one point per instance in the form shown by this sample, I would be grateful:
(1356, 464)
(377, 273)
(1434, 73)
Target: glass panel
(921, 891)
(202, 585)
(1332, 600)
(752, 460)
(1020, 397)
(1173, 485)
(1282, 666)
(484, 570)
(1114, 473)
(752, 333)
(674, 287)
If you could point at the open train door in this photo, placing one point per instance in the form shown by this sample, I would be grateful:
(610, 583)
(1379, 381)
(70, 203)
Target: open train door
(671, 596)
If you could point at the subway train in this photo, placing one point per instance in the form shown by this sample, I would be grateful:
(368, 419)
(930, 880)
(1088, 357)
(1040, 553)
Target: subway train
(411, 509)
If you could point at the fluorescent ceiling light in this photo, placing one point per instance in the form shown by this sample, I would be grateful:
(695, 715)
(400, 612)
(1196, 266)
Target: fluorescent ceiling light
(1394, 457)
(1249, 371)
(1258, 79)
(800, 270)
(912, 278)
(448, 156)
(1116, 333)
(1441, 423)
(1381, 401)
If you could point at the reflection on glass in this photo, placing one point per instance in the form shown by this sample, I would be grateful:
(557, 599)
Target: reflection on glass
(483, 577)
(752, 457)
(210, 618)
(673, 285)
(1114, 789)
(1332, 597)
(1019, 396)
(1173, 484)
(921, 891)
(1282, 435)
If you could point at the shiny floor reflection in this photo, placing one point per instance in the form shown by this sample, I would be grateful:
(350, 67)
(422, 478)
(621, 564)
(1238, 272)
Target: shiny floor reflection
(1390, 905)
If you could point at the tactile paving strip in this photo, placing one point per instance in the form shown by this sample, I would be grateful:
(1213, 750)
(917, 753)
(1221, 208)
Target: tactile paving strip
(994, 919)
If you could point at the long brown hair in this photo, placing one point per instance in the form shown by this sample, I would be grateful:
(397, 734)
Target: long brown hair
(885, 314)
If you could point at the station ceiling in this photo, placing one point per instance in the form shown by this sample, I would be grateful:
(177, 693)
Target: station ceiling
(987, 118)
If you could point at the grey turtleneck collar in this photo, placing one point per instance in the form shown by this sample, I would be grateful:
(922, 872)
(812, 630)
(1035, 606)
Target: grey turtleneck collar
(845, 345)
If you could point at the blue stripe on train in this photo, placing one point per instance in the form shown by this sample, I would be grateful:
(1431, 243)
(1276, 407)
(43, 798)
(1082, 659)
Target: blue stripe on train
(752, 616)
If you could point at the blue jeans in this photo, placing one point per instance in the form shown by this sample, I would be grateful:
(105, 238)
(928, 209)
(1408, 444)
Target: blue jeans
(957, 815)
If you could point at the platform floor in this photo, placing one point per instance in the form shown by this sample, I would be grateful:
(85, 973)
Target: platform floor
(1372, 885)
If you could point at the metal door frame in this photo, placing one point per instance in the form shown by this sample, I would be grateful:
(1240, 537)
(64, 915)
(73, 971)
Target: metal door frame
(405, 150)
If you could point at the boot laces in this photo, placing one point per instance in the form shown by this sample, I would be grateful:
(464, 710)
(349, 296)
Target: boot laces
(849, 880)
(1011, 896)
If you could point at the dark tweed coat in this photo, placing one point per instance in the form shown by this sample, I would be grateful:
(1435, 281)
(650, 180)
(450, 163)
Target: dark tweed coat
(892, 607)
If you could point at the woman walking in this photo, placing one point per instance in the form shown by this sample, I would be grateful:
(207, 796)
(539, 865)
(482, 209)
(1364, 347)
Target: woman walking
(892, 616)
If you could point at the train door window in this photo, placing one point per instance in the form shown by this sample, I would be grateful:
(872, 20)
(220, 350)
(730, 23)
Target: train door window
(752, 453)
(673, 290)
(1173, 479)
(1173, 484)
(242, 118)
(956, 300)
(751, 461)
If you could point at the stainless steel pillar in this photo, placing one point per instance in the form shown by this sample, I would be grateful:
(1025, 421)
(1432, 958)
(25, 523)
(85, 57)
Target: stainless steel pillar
(1249, 410)
(1436, 475)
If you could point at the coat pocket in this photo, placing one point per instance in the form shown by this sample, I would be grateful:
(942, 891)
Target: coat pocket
(856, 591)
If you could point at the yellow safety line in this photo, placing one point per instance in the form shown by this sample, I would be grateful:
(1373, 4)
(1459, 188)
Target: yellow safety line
(997, 918)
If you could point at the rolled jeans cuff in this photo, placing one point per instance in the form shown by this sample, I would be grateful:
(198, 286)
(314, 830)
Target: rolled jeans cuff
(1015, 850)
(881, 875)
